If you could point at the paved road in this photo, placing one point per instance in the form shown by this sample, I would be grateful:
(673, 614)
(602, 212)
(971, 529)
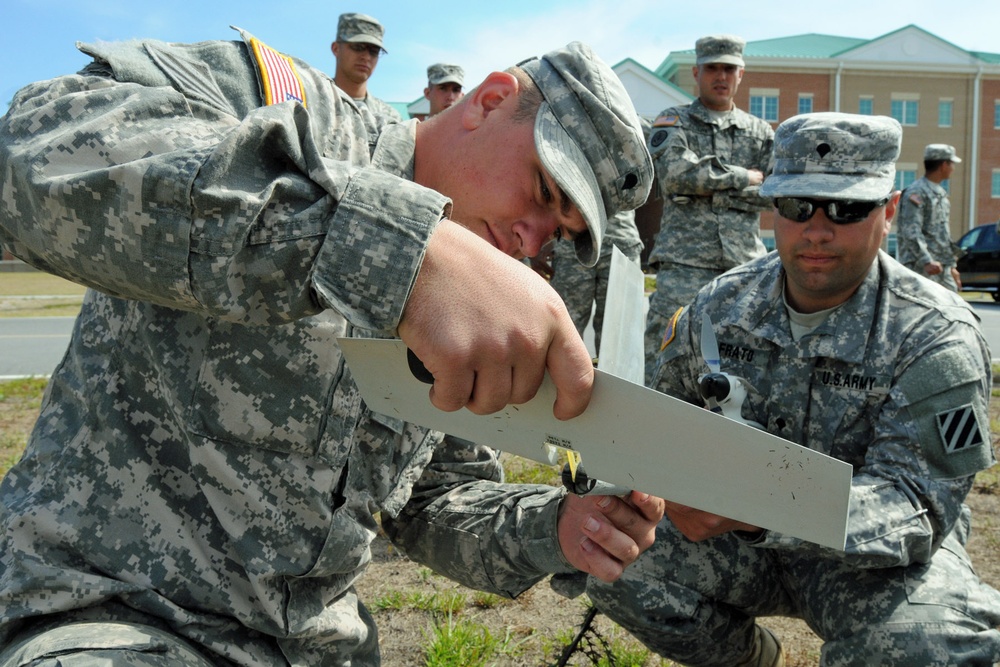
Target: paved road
(35, 345)
(32, 345)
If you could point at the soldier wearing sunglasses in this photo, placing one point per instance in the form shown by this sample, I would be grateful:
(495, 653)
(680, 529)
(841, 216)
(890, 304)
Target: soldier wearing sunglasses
(853, 355)
(357, 50)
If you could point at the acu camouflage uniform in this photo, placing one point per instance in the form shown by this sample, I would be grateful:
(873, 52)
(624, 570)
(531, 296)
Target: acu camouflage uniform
(203, 463)
(584, 289)
(924, 231)
(881, 384)
(711, 215)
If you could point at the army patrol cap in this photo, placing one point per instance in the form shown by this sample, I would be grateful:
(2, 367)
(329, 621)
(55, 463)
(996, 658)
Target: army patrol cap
(354, 27)
(941, 152)
(834, 156)
(588, 137)
(726, 49)
(443, 73)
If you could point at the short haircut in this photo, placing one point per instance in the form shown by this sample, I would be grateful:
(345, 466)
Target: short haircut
(529, 97)
(931, 166)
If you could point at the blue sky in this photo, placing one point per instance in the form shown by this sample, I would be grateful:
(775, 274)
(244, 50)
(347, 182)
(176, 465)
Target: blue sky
(39, 35)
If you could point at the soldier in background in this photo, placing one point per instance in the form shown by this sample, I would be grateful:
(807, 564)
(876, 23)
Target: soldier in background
(710, 160)
(850, 354)
(584, 289)
(925, 244)
(444, 86)
(357, 49)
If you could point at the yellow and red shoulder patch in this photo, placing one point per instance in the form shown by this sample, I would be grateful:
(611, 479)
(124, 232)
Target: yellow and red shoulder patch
(671, 331)
(279, 80)
(666, 121)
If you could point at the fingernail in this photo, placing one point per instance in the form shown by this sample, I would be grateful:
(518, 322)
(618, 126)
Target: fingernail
(604, 501)
(591, 525)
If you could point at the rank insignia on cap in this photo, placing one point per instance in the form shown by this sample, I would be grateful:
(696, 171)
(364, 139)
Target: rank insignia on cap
(279, 80)
(666, 121)
(671, 330)
(959, 429)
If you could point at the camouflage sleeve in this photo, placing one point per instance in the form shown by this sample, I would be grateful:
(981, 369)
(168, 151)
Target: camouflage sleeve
(682, 171)
(679, 361)
(913, 212)
(931, 437)
(464, 523)
(144, 193)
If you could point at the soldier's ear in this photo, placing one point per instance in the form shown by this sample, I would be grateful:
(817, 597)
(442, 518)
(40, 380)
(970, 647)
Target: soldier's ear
(497, 89)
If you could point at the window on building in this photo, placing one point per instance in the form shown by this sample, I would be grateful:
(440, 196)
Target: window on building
(866, 106)
(805, 103)
(996, 115)
(905, 175)
(995, 188)
(946, 109)
(904, 108)
(764, 104)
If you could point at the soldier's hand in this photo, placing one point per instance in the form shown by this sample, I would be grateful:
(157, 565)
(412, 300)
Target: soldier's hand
(602, 535)
(697, 525)
(487, 328)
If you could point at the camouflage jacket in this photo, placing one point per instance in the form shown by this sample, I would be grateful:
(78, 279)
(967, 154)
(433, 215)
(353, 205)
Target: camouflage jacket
(924, 233)
(895, 382)
(711, 215)
(203, 455)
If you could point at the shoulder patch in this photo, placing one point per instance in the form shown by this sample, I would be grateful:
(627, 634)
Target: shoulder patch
(671, 331)
(279, 80)
(959, 429)
(666, 121)
(657, 138)
(915, 198)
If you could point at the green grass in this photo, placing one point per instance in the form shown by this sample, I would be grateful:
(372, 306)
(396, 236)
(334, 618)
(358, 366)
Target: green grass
(437, 603)
(19, 404)
(19, 289)
(465, 643)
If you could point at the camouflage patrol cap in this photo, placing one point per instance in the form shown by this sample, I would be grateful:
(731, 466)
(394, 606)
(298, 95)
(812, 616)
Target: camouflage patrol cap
(444, 73)
(726, 49)
(834, 156)
(941, 152)
(588, 137)
(353, 27)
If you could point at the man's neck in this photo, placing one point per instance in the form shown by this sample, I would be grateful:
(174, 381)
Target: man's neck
(358, 91)
(935, 176)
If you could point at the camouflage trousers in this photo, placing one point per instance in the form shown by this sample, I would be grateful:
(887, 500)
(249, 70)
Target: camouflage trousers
(697, 603)
(583, 289)
(676, 286)
(101, 644)
(944, 278)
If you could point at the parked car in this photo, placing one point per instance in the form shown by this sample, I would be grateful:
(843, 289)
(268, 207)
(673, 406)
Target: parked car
(979, 264)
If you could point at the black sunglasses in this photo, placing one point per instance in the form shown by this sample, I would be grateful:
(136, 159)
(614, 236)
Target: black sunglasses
(841, 212)
(373, 51)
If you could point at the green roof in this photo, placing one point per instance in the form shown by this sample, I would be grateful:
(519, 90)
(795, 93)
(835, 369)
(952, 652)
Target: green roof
(811, 45)
(992, 58)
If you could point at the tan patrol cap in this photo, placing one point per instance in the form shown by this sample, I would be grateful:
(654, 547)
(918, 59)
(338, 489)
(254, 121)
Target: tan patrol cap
(353, 27)
(941, 152)
(443, 73)
(727, 49)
